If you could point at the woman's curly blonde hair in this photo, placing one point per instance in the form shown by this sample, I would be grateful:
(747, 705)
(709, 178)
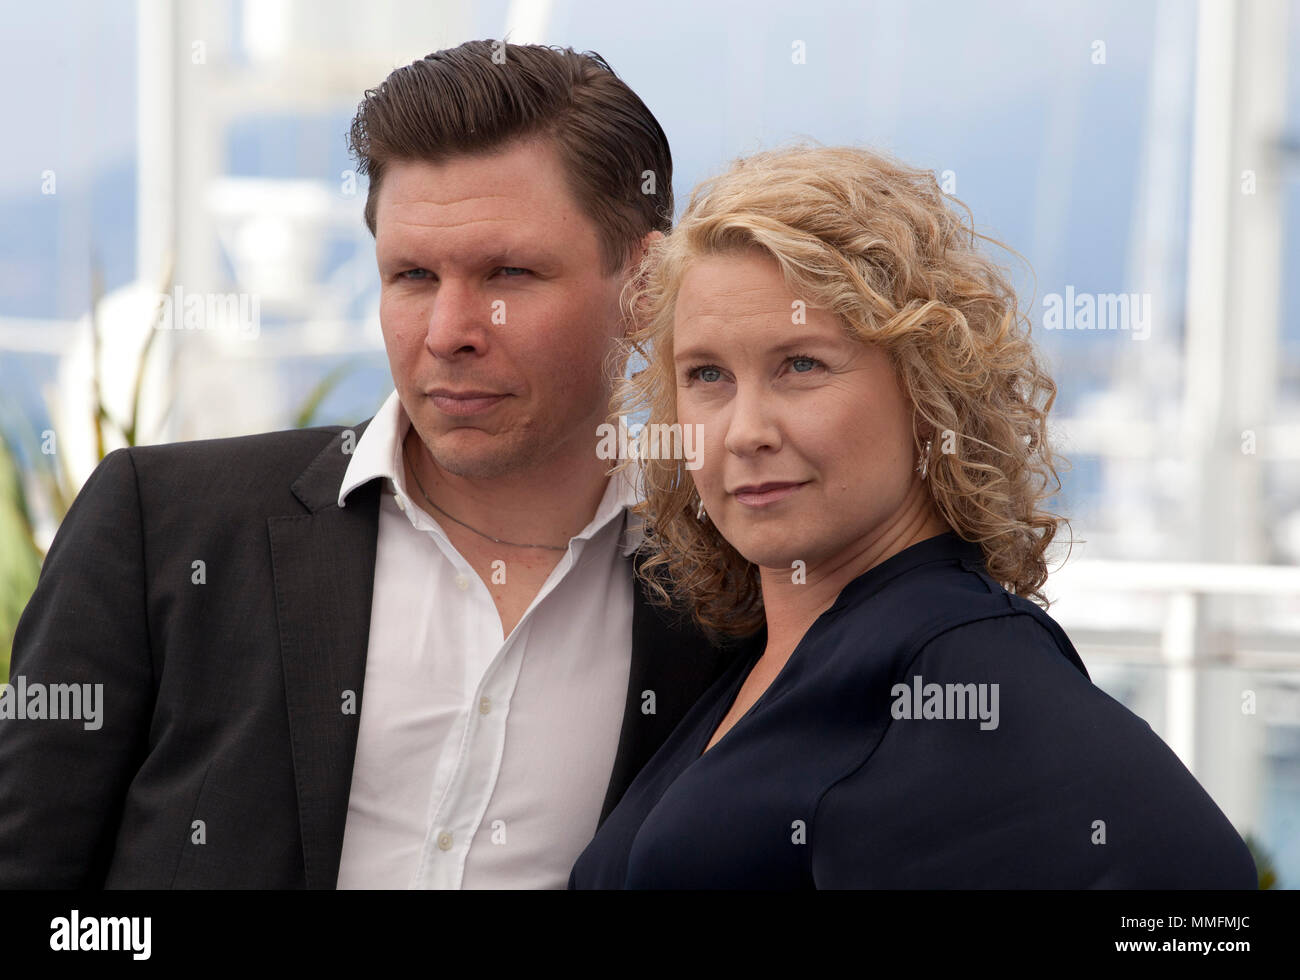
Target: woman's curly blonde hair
(875, 242)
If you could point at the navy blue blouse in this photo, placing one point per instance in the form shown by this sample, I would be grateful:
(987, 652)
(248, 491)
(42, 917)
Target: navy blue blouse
(931, 730)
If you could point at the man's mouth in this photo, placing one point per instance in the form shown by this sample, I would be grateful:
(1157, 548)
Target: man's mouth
(465, 402)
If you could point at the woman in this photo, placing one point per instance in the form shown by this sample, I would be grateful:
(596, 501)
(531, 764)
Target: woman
(866, 512)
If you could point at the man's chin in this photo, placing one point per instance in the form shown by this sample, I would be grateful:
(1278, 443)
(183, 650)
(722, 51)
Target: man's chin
(482, 456)
(477, 468)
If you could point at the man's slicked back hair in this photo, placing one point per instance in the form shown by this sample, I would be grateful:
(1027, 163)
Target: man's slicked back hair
(481, 96)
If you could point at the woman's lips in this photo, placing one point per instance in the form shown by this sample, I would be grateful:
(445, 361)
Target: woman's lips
(767, 493)
(467, 404)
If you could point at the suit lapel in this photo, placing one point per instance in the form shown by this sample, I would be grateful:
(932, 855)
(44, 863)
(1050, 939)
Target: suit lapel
(675, 661)
(323, 563)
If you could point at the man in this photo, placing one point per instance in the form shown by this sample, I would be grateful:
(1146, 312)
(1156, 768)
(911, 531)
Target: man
(408, 654)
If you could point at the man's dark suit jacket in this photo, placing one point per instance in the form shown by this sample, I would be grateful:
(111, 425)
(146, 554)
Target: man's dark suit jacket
(223, 701)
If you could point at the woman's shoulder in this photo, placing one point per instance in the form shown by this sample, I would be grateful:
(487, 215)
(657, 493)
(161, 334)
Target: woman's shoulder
(1025, 663)
(1013, 635)
(995, 733)
(939, 596)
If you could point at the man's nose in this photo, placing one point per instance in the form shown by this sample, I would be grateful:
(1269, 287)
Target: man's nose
(753, 423)
(458, 321)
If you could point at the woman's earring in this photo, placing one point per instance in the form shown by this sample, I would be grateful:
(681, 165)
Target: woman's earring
(699, 511)
(923, 466)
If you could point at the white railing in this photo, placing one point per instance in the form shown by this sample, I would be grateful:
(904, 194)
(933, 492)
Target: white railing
(1185, 587)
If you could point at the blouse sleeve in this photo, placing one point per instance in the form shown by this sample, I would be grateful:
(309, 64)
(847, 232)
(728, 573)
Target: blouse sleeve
(1003, 766)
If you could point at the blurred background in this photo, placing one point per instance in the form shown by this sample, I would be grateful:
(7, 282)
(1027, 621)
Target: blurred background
(1144, 157)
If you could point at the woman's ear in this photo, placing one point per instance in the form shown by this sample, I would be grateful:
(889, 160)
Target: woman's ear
(923, 429)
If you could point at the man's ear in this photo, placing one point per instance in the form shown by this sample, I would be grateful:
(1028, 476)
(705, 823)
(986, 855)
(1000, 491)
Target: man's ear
(633, 271)
(635, 260)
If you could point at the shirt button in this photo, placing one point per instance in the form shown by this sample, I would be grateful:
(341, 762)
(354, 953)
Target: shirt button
(444, 841)
(484, 705)
(462, 582)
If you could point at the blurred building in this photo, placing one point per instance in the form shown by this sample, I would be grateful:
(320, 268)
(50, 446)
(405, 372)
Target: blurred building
(1147, 152)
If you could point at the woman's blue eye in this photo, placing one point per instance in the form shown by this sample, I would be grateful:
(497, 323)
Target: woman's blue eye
(708, 373)
(514, 267)
(811, 362)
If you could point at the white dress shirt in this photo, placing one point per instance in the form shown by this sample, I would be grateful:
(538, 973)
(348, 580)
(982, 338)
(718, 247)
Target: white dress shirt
(482, 761)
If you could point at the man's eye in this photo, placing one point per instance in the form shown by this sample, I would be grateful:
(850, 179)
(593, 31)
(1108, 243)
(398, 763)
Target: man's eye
(418, 275)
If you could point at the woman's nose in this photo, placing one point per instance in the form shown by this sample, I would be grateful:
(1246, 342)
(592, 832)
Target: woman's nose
(753, 424)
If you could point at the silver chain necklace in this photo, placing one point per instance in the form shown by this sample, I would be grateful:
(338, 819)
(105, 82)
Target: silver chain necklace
(510, 544)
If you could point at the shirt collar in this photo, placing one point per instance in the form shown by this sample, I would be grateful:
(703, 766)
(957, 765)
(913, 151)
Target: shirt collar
(377, 455)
